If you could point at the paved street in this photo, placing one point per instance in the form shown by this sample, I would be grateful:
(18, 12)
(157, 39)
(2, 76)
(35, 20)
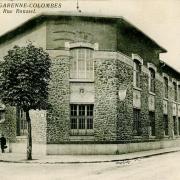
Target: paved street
(161, 167)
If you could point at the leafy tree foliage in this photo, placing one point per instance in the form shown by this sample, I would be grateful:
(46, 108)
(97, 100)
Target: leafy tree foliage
(25, 76)
(25, 73)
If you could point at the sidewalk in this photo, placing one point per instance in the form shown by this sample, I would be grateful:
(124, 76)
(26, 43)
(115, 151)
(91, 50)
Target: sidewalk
(71, 159)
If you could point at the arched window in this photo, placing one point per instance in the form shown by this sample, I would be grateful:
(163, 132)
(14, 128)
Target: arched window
(82, 63)
(137, 73)
(152, 80)
(165, 87)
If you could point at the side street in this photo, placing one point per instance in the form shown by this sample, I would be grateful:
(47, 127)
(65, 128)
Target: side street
(75, 159)
(158, 164)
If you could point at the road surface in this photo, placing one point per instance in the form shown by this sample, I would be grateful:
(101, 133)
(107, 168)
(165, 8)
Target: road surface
(162, 167)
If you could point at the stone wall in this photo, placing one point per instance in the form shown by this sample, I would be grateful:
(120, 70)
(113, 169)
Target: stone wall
(159, 109)
(58, 117)
(108, 149)
(39, 125)
(144, 113)
(105, 100)
(125, 107)
(170, 112)
(8, 127)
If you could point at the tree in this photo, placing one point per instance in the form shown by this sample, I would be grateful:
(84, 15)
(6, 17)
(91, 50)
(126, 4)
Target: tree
(25, 76)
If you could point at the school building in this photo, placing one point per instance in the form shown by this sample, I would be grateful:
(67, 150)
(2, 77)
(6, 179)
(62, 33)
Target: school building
(110, 92)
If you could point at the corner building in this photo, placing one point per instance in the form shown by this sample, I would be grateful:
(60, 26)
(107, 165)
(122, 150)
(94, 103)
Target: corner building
(110, 93)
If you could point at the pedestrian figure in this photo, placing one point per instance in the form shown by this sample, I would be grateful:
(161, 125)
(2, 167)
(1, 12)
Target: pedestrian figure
(3, 143)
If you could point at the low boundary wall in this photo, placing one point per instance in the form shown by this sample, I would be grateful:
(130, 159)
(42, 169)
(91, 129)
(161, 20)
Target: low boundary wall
(109, 149)
(92, 149)
(22, 148)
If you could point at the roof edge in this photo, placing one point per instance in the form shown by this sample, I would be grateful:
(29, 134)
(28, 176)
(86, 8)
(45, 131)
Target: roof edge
(177, 71)
(77, 14)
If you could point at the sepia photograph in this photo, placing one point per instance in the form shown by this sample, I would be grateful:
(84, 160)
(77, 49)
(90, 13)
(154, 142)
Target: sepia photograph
(90, 89)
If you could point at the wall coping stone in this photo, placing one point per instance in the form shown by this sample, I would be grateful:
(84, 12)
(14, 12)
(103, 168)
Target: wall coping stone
(125, 59)
(138, 140)
(81, 80)
(113, 55)
(58, 53)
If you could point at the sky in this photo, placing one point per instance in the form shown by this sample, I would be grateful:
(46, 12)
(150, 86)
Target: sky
(159, 19)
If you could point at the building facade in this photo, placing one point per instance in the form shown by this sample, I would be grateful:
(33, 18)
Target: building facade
(109, 91)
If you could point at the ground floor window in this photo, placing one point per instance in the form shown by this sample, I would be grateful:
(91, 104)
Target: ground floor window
(21, 123)
(152, 122)
(179, 124)
(2, 115)
(81, 119)
(175, 125)
(165, 117)
(137, 130)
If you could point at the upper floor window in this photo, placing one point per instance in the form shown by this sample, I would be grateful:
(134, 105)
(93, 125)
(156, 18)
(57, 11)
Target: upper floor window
(178, 92)
(152, 80)
(2, 115)
(174, 91)
(82, 66)
(137, 73)
(152, 123)
(165, 87)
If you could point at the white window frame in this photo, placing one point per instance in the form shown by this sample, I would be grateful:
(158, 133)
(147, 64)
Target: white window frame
(135, 72)
(167, 77)
(2, 116)
(137, 122)
(2, 110)
(137, 59)
(175, 96)
(153, 67)
(178, 92)
(82, 131)
(85, 52)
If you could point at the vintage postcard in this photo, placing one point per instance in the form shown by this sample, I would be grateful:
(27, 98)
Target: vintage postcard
(90, 89)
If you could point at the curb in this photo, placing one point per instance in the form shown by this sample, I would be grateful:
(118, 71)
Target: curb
(90, 162)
